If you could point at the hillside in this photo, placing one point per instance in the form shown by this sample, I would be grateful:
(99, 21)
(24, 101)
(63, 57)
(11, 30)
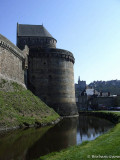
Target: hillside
(112, 86)
(19, 107)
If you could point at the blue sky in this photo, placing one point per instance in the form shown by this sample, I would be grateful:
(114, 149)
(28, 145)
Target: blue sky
(90, 29)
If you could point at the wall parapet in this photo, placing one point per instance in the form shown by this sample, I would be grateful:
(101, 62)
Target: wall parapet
(32, 41)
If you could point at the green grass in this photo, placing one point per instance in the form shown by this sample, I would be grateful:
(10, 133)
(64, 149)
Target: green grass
(105, 145)
(20, 106)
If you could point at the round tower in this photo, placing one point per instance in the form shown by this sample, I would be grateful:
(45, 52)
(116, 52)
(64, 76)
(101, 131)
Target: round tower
(50, 70)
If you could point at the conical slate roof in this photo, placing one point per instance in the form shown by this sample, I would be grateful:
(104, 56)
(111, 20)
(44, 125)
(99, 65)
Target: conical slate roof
(32, 30)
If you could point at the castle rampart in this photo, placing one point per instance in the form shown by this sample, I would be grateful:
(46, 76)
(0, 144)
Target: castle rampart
(12, 61)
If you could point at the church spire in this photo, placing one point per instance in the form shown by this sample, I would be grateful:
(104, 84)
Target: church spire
(78, 79)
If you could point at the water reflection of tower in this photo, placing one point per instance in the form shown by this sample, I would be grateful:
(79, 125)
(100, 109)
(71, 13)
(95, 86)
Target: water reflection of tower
(60, 136)
(79, 133)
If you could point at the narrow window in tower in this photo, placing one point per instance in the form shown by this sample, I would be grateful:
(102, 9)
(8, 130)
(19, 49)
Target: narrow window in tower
(50, 77)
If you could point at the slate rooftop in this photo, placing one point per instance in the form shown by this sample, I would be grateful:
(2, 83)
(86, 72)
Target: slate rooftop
(32, 30)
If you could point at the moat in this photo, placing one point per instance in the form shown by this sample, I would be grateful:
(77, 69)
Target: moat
(28, 144)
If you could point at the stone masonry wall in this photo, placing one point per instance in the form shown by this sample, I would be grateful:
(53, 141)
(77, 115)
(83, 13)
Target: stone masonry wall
(51, 77)
(12, 61)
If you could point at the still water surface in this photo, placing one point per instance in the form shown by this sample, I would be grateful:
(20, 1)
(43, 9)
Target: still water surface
(32, 143)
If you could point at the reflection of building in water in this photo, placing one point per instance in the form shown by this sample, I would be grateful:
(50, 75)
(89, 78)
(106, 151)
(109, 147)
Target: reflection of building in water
(32, 143)
(61, 136)
(90, 128)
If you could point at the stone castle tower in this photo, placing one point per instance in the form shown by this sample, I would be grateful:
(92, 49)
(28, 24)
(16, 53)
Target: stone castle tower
(50, 70)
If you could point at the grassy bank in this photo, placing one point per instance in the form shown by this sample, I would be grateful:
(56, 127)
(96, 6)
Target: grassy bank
(19, 107)
(107, 145)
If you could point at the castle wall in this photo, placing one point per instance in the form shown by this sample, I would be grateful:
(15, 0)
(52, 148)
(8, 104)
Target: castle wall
(12, 61)
(51, 78)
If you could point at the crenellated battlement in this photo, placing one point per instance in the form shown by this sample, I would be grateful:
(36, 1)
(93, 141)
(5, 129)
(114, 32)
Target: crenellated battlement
(51, 52)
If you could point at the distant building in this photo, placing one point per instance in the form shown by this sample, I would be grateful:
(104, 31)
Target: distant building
(88, 98)
(104, 94)
(80, 94)
(79, 87)
(82, 101)
(90, 92)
